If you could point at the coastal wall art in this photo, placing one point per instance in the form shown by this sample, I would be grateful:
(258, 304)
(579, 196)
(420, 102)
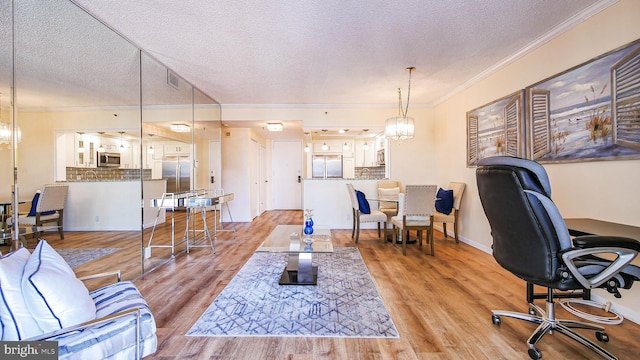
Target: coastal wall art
(588, 113)
(496, 129)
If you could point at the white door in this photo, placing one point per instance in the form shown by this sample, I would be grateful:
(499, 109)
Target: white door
(287, 175)
(254, 173)
(262, 207)
(215, 166)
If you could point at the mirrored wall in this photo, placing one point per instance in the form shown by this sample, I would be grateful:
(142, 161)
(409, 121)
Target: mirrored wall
(96, 113)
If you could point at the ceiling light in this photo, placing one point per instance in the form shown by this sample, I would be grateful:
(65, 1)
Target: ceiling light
(401, 127)
(101, 148)
(180, 128)
(345, 146)
(307, 148)
(365, 146)
(275, 126)
(325, 147)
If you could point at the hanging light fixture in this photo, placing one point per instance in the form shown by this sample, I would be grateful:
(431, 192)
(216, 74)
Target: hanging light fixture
(325, 147)
(101, 147)
(365, 146)
(121, 140)
(5, 129)
(401, 127)
(150, 149)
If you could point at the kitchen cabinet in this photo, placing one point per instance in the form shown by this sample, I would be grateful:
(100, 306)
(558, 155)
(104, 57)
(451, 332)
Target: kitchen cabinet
(333, 147)
(365, 157)
(176, 148)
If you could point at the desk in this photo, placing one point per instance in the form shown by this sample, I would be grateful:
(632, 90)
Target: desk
(584, 226)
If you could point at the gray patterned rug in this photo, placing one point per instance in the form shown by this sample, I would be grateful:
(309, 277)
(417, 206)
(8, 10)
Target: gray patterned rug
(77, 257)
(345, 303)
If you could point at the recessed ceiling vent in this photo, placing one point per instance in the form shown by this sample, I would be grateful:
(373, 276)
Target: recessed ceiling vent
(173, 79)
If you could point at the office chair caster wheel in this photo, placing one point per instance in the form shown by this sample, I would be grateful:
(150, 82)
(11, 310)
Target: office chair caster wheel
(496, 320)
(535, 354)
(602, 336)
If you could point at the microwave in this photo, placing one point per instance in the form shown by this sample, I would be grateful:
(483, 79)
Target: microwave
(107, 159)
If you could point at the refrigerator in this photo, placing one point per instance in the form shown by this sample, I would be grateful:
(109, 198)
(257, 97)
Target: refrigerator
(177, 171)
(326, 166)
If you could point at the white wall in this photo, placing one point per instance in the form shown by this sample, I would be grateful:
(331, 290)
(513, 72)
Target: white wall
(604, 190)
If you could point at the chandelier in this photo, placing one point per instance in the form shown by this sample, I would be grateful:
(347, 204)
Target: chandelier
(6, 131)
(401, 127)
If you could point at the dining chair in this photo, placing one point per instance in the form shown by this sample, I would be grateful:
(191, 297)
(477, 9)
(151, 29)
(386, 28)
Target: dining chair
(359, 215)
(453, 217)
(388, 190)
(416, 209)
(49, 208)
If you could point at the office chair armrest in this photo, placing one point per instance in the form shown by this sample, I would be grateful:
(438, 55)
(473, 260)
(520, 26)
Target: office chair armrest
(592, 241)
(623, 257)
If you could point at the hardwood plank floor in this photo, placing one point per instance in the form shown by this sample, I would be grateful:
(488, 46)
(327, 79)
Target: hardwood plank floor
(441, 305)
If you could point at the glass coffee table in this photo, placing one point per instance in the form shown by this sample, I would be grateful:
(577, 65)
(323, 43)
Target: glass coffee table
(291, 240)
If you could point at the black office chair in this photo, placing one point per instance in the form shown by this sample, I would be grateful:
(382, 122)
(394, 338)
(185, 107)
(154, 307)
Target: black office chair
(531, 240)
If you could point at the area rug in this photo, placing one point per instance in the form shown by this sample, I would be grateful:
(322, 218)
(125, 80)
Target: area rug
(76, 257)
(345, 303)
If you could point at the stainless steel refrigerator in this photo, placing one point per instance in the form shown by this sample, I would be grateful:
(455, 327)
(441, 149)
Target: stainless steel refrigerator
(326, 166)
(177, 171)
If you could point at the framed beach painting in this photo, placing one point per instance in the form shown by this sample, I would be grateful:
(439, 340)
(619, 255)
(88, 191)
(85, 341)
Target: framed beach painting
(588, 113)
(496, 129)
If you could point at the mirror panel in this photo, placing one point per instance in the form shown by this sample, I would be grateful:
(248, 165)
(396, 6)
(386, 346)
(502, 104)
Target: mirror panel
(167, 101)
(82, 91)
(73, 78)
(6, 114)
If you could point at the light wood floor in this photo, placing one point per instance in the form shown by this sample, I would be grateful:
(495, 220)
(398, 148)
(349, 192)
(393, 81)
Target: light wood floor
(441, 305)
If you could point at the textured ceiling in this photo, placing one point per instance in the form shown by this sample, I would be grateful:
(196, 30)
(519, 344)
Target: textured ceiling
(336, 51)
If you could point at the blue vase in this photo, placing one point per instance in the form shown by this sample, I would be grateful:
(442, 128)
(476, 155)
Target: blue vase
(308, 227)
(311, 221)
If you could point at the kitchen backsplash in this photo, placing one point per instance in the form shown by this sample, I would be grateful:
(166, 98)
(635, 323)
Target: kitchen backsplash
(105, 174)
(370, 172)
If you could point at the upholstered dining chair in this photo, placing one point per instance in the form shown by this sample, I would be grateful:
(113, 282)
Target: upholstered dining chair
(388, 190)
(361, 217)
(416, 209)
(453, 217)
(48, 209)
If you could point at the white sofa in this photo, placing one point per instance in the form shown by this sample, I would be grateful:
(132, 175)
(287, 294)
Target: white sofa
(42, 299)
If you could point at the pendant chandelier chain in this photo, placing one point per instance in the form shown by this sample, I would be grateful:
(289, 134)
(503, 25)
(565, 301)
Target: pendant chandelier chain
(406, 109)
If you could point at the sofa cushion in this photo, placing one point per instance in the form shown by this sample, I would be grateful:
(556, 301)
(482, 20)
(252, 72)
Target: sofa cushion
(363, 204)
(102, 342)
(34, 206)
(444, 201)
(53, 294)
(17, 321)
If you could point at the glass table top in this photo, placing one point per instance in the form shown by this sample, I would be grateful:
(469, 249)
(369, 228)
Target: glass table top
(291, 239)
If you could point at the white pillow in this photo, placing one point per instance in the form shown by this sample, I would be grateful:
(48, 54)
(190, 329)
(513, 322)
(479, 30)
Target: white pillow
(53, 294)
(388, 194)
(15, 316)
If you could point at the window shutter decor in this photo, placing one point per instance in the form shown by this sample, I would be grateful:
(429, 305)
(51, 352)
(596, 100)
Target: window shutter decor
(540, 125)
(625, 92)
